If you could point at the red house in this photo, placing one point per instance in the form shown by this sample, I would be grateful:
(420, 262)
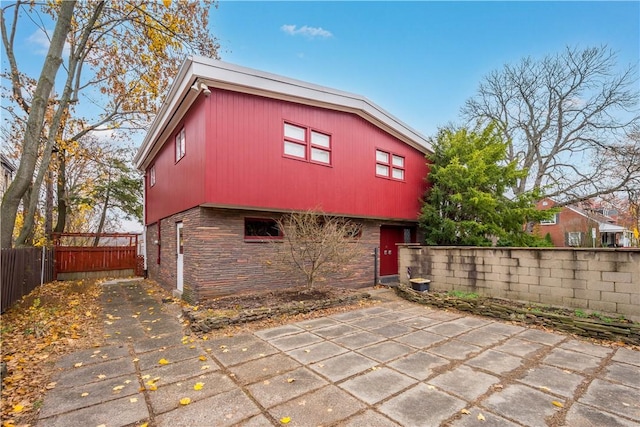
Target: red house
(233, 148)
(576, 226)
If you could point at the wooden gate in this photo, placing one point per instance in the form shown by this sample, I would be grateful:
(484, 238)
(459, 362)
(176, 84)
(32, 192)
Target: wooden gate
(78, 253)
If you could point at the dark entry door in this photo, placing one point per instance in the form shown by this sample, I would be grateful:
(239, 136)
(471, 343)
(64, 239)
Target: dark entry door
(389, 237)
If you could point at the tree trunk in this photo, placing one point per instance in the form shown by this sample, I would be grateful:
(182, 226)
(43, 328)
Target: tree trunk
(48, 207)
(62, 194)
(103, 217)
(35, 123)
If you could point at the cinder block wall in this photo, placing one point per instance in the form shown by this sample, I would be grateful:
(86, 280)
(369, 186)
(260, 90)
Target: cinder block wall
(602, 280)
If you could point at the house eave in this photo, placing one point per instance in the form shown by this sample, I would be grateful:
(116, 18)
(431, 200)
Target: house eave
(222, 75)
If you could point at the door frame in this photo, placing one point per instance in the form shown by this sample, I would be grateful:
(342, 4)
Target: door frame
(179, 257)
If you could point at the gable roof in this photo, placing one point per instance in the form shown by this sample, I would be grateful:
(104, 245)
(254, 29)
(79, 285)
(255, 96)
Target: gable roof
(223, 75)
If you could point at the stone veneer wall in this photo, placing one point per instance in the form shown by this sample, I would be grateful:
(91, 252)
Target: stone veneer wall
(602, 280)
(218, 261)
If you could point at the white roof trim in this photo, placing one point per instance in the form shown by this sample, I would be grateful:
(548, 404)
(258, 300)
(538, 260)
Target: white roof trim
(218, 74)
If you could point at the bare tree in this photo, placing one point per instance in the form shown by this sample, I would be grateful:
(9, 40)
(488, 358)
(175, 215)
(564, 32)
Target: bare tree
(567, 117)
(121, 57)
(315, 245)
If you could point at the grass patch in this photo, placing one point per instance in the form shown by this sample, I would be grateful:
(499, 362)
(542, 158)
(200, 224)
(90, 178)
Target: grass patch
(463, 295)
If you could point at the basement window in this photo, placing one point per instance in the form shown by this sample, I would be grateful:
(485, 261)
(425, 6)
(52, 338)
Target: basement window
(258, 229)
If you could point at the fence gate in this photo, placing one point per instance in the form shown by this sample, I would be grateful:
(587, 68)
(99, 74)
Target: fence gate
(81, 255)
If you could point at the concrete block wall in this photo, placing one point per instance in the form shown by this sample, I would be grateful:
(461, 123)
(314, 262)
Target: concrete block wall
(602, 280)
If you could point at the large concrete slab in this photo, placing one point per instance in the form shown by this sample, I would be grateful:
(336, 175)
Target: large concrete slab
(263, 368)
(419, 365)
(495, 362)
(386, 351)
(465, 382)
(553, 380)
(343, 366)
(421, 406)
(285, 387)
(523, 404)
(121, 412)
(322, 407)
(615, 398)
(221, 410)
(376, 385)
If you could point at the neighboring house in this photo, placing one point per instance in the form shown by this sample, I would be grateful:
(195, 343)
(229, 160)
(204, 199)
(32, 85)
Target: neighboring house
(7, 174)
(577, 226)
(233, 148)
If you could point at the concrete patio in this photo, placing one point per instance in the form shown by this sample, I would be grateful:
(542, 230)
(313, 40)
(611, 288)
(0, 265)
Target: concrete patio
(395, 363)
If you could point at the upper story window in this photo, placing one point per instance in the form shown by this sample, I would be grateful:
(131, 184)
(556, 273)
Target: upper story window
(152, 176)
(551, 221)
(307, 144)
(181, 145)
(389, 165)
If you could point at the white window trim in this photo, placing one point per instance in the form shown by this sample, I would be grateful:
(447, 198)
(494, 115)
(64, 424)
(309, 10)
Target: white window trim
(152, 176)
(181, 145)
(394, 163)
(289, 141)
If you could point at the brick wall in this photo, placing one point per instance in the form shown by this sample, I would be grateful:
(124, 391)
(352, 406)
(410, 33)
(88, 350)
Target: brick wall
(218, 261)
(602, 280)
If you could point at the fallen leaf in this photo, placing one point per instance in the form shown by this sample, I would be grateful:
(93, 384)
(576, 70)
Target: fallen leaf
(244, 349)
(290, 380)
(465, 411)
(558, 404)
(226, 350)
(50, 386)
(85, 394)
(545, 388)
(202, 358)
(204, 367)
(153, 387)
(102, 376)
(144, 425)
(307, 351)
(481, 417)
(118, 388)
(185, 401)
(77, 365)
(285, 420)
(430, 387)
(198, 386)
(18, 408)
(133, 400)
(163, 361)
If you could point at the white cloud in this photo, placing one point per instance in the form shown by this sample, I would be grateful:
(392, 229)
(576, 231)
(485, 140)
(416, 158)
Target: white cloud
(40, 42)
(306, 31)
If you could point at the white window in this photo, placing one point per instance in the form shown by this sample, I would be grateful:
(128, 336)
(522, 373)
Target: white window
(181, 144)
(295, 150)
(320, 147)
(304, 143)
(295, 132)
(550, 221)
(152, 176)
(389, 165)
(574, 238)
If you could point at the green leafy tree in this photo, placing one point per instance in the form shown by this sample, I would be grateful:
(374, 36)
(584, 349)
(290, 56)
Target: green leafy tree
(467, 202)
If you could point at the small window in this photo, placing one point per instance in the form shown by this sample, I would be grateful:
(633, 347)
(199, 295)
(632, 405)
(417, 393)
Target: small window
(574, 238)
(303, 143)
(389, 165)
(181, 144)
(152, 176)
(261, 229)
(551, 221)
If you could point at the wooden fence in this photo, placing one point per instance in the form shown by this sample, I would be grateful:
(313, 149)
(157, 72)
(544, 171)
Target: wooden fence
(22, 271)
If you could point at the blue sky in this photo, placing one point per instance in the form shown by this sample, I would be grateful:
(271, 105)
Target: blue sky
(419, 61)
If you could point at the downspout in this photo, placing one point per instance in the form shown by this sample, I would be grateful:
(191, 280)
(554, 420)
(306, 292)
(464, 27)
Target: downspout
(144, 224)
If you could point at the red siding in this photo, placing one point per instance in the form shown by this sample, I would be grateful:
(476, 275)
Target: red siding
(179, 186)
(245, 166)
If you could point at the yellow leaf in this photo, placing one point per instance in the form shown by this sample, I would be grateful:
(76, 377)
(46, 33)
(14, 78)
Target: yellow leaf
(163, 361)
(85, 394)
(481, 417)
(144, 425)
(102, 376)
(185, 401)
(198, 386)
(205, 367)
(558, 404)
(465, 411)
(285, 420)
(77, 365)
(290, 380)
(166, 3)
(202, 358)
(118, 388)
(18, 408)
(133, 400)
(153, 387)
